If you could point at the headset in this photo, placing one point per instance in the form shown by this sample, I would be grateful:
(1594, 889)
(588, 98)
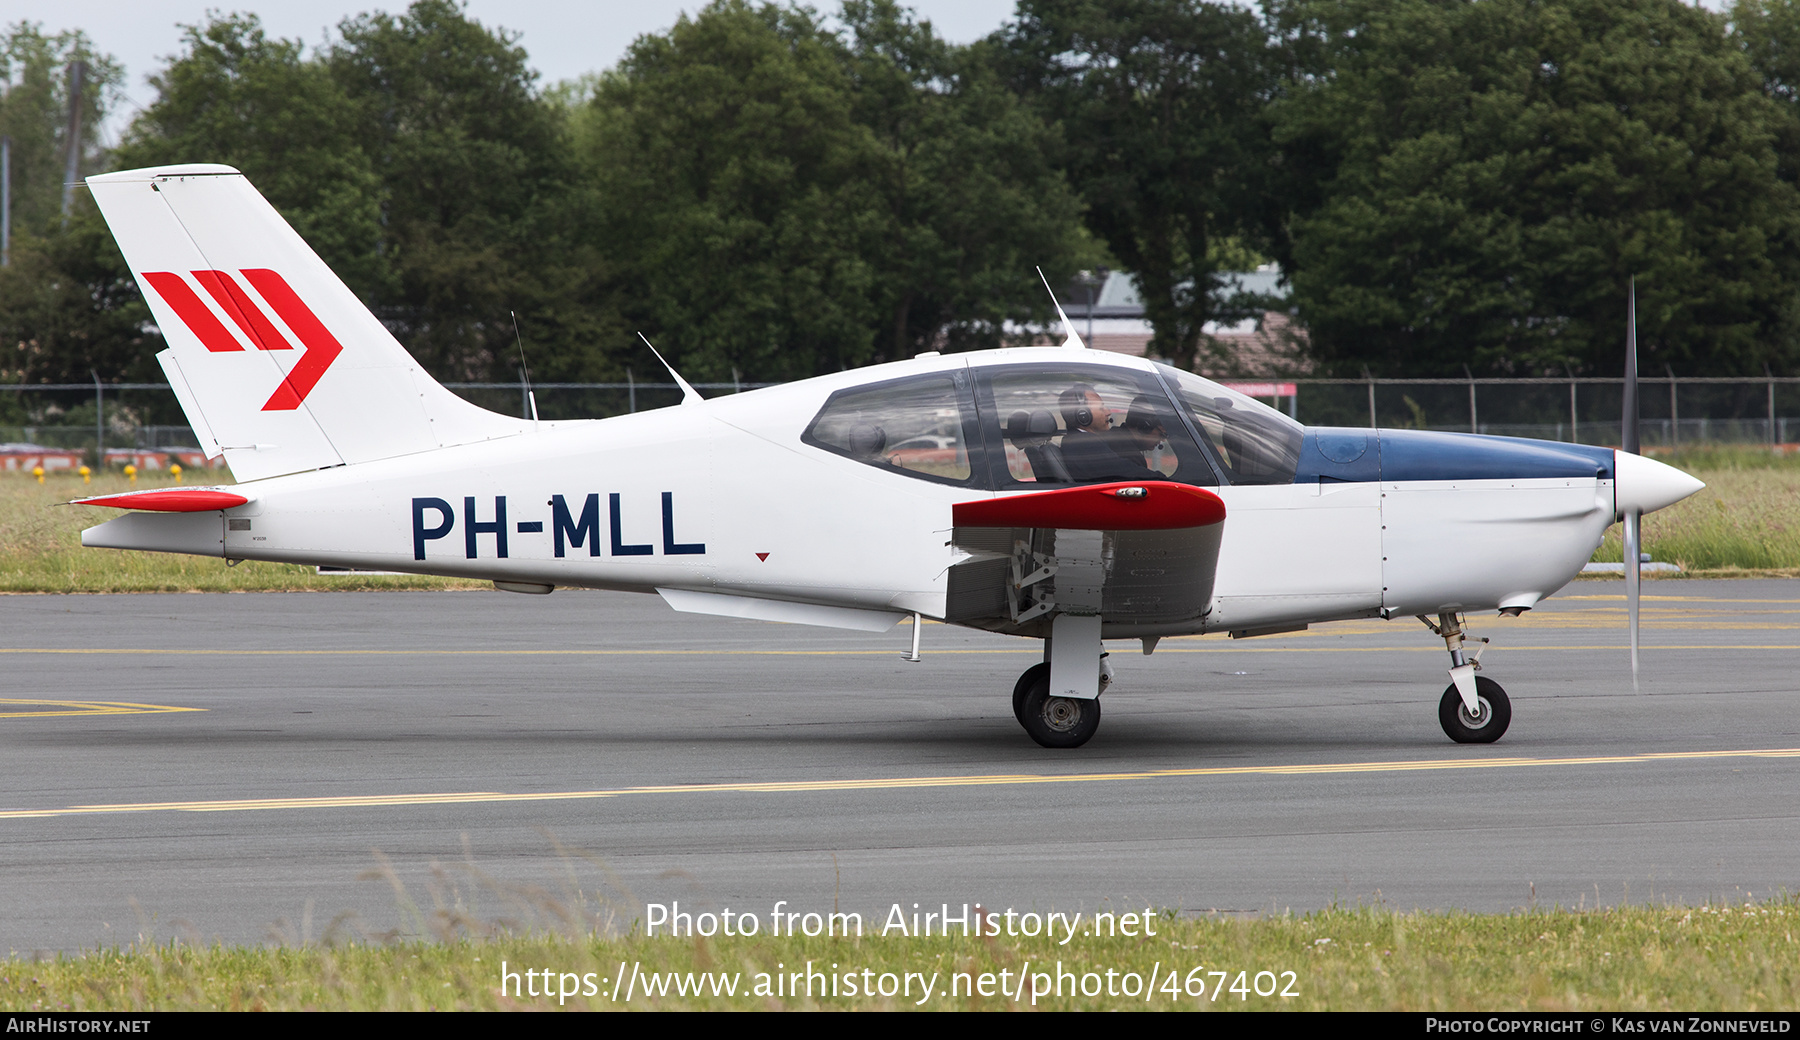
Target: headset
(1075, 411)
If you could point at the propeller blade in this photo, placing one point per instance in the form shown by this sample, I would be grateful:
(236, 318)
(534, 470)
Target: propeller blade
(1633, 554)
(1634, 518)
(1628, 434)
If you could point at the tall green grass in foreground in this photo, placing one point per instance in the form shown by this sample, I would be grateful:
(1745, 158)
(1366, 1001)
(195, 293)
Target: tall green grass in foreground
(1704, 958)
(40, 550)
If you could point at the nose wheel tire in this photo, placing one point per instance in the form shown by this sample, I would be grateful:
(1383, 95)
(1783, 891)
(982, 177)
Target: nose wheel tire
(1055, 722)
(1486, 727)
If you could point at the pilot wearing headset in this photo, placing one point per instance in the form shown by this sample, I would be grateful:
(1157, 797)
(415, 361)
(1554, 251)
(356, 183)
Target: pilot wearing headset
(1083, 411)
(1091, 449)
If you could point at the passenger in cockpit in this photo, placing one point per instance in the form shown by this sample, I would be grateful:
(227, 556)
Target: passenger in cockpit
(1093, 451)
(1144, 428)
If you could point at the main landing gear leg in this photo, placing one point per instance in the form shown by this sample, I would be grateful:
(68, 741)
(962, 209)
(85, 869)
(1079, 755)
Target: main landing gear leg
(1058, 701)
(1474, 709)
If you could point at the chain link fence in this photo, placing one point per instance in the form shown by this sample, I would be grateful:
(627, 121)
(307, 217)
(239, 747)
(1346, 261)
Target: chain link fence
(1673, 411)
(118, 419)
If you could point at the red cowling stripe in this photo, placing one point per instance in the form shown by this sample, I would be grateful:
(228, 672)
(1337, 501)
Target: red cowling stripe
(1098, 507)
(168, 500)
(322, 348)
(191, 311)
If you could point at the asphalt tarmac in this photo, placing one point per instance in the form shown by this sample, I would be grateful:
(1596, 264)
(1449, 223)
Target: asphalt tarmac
(302, 767)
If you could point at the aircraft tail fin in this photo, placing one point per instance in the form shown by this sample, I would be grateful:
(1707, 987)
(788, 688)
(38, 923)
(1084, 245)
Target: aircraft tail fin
(276, 363)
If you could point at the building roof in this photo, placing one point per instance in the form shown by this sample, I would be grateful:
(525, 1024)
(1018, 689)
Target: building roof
(1117, 296)
(1265, 347)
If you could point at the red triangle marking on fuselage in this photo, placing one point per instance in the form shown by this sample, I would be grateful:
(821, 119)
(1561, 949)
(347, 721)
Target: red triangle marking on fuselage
(763, 557)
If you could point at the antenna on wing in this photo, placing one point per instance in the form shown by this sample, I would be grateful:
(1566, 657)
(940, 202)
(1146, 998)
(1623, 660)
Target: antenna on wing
(1074, 341)
(688, 394)
(524, 369)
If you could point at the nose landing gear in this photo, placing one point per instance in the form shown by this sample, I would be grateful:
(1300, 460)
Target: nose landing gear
(1474, 709)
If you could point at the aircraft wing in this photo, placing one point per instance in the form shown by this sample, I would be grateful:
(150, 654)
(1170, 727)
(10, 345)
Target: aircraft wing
(1142, 556)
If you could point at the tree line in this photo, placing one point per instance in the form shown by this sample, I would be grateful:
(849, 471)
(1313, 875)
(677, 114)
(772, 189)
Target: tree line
(771, 193)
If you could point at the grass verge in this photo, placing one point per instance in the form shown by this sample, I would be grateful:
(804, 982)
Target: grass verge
(40, 551)
(1745, 523)
(1633, 958)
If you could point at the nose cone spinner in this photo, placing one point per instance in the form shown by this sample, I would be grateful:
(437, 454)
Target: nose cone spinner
(1645, 485)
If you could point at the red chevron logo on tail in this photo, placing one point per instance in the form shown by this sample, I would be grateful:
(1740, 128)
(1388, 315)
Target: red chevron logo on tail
(322, 348)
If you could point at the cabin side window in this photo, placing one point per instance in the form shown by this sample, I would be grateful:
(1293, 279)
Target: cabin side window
(922, 427)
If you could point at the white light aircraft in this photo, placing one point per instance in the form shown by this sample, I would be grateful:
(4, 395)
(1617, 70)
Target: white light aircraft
(1064, 494)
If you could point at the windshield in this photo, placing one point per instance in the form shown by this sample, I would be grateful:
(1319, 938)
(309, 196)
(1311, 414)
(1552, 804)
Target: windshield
(1255, 443)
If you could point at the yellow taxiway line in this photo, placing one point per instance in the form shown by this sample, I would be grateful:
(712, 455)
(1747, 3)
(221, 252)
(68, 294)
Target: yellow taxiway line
(81, 708)
(884, 783)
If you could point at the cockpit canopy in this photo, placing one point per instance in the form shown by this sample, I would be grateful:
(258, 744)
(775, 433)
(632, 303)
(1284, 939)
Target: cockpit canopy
(1018, 426)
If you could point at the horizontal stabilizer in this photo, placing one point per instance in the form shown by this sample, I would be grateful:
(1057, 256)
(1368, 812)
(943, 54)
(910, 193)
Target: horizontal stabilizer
(1148, 506)
(169, 500)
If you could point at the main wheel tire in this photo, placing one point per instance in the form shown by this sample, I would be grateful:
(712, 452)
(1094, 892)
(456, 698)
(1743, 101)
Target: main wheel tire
(1496, 713)
(1023, 686)
(1057, 722)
